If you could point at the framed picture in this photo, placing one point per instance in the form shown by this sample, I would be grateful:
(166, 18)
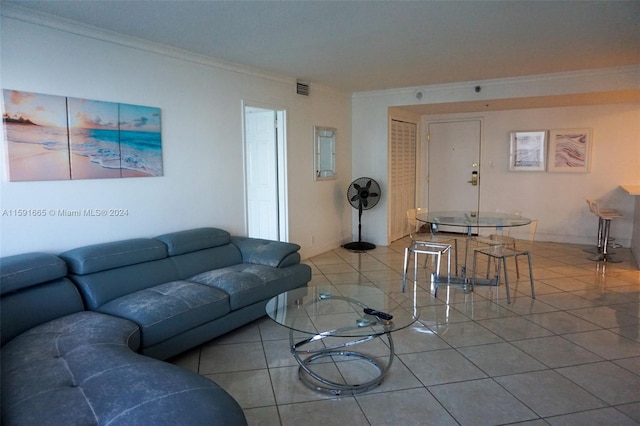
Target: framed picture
(570, 150)
(51, 137)
(528, 151)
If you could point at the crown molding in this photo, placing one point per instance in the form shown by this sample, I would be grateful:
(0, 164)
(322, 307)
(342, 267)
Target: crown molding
(599, 73)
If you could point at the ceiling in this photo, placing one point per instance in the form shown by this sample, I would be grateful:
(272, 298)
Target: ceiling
(360, 46)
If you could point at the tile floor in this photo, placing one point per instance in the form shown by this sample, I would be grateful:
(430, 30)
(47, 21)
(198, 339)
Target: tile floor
(569, 357)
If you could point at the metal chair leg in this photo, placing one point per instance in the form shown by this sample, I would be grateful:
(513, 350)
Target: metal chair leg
(406, 268)
(506, 278)
(473, 269)
(533, 291)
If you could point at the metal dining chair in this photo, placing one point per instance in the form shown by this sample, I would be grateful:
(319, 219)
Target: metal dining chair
(429, 244)
(433, 249)
(501, 253)
(424, 232)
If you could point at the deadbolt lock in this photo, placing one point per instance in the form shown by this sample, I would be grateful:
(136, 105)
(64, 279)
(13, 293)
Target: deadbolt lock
(474, 178)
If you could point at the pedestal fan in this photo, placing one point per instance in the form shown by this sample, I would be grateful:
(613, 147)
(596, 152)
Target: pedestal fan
(363, 194)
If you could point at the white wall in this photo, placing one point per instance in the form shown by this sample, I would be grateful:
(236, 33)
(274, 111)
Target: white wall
(557, 200)
(201, 135)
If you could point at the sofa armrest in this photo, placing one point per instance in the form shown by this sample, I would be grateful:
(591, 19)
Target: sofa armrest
(267, 252)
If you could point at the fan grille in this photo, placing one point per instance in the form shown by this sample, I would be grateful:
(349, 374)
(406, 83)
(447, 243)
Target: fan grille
(363, 192)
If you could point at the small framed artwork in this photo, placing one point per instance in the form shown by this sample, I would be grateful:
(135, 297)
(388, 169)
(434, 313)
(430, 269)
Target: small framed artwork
(570, 150)
(528, 151)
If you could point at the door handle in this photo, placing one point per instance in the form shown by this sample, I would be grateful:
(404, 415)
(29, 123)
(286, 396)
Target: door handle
(474, 178)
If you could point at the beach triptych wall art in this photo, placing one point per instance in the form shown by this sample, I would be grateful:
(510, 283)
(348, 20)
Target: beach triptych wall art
(60, 138)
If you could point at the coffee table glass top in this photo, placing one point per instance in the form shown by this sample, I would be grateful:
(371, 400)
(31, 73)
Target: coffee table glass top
(473, 219)
(342, 311)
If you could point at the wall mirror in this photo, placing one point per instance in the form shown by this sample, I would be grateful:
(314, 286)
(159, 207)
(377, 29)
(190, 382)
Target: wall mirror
(324, 153)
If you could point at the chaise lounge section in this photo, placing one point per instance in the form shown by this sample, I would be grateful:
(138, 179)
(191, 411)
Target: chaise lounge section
(81, 331)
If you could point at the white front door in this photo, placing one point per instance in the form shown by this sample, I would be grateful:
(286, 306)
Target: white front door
(262, 165)
(454, 165)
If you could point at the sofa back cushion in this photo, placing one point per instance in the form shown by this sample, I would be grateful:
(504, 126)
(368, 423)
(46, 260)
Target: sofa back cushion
(100, 257)
(104, 272)
(104, 286)
(198, 250)
(191, 240)
(193, 263)
(34, 291)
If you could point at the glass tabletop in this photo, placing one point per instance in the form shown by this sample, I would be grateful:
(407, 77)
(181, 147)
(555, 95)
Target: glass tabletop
(473, 219)
(342, 311)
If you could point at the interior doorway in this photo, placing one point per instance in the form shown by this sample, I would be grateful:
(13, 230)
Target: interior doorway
(454, 165)
(265, 173)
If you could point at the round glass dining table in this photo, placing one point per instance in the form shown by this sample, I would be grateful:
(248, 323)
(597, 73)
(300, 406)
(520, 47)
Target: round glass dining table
(470, 220)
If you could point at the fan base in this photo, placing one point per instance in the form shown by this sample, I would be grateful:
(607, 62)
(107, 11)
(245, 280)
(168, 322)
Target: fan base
(359, 246)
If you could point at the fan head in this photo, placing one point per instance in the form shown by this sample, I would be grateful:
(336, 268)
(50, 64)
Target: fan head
(363, 192)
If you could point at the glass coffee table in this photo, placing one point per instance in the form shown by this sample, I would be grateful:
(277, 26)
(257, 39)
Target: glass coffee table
(327, 323)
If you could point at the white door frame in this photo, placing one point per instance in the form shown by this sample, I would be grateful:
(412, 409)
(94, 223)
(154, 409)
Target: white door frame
(283, 205)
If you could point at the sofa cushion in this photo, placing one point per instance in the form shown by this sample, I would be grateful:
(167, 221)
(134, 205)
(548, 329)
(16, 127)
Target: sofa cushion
(79, 369)
(193, 240)
(247, 283)
(25, 270)
(100, 257)
(166, 310)
(104, 286)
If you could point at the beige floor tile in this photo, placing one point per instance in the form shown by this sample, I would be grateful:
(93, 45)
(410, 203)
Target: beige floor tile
(339, 411)
(405, 407)
(517, 328)
(631, 410)
(481, 402)
(605, 316)
(440, 314)
(631, 364)
(561, 322)
(606, 344)
(288, 388)
(500, 359)
(233, 357)
(571, 356)
(483, 309)
(262, 416)
(250, 388)
(468, 333)
(607, 381)
(548, 393)
(417, 338)
(556, 351)
(602, 416)
(442, 366)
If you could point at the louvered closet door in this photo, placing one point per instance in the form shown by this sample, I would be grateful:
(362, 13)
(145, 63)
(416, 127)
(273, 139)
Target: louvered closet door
(402, 176)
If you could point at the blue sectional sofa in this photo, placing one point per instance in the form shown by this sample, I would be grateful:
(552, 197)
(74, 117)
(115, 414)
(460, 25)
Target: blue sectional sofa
(83, 332)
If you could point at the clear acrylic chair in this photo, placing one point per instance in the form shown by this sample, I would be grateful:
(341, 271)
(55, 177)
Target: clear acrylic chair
(500, 253)
(424, 232)
(429, 249)
(501, 237)
(429, 244)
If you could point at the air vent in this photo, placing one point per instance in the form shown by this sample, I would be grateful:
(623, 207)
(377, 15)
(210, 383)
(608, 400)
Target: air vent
(302, 88)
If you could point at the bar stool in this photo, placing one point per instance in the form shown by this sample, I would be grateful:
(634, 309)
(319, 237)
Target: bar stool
(604, 225)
